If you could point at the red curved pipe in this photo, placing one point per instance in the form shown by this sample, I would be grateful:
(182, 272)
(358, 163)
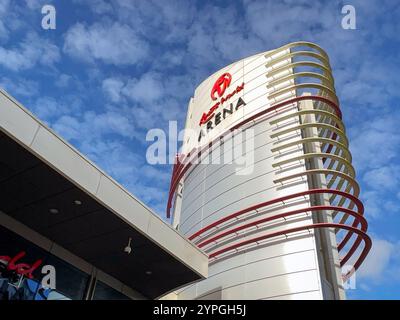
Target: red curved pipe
(182, 166)
(348, 236)
(357, 216)
(280, 199)
(180, 173)
(358, 219)
(363, 235)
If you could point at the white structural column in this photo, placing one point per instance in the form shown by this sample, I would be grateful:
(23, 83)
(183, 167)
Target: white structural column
(328, 257)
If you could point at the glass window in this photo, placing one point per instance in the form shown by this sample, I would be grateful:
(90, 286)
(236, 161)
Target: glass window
(105, 292)
(21, 274)
(70, 281)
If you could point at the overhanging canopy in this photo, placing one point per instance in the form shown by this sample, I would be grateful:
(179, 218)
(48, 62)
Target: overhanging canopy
(39, 171)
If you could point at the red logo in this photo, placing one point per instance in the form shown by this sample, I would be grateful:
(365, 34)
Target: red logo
(220, 85)
(20, 268)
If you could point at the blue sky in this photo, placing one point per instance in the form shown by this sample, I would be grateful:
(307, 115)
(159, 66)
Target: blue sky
(112, 70)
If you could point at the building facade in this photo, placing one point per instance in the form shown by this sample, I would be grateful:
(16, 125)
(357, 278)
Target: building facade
(265, 185)
(69, 231)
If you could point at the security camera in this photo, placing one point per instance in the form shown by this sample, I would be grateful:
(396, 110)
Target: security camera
(128, 248)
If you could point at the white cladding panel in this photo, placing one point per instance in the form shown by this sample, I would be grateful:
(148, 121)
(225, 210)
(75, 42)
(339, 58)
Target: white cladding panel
(283, 267)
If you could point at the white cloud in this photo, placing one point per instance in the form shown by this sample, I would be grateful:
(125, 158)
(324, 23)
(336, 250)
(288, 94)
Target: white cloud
(374, 143)
(201, 45)
(113, 87)
(121, 162)
(63, 80)
(110, 122)
(375, 148)
(116, 44)
(3, 31)
(21, 87)
(379, 204)
(159, 177)
(184, 42)
(4, 10)
(97, 6)
(4, 5)
(373, 203)
(383, 178)
(148, 88)
(36, 4)
(31, 51)
(151, 100)
(96, 137)
(46, 108)
(377, 262)
(50, 109)
(145, 118)
(293, 21)
(170, 24)
(169, 59)
(93, 126)
(68, 127)
(150, 194)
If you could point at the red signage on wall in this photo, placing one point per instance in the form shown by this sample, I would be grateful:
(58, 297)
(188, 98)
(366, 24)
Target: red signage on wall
(20, 268)
(219, 87)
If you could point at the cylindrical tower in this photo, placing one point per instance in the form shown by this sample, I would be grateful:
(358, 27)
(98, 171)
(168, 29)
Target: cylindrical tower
(264, 183)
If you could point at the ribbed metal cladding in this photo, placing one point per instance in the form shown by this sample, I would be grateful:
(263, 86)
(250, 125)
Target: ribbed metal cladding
(297, 216)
